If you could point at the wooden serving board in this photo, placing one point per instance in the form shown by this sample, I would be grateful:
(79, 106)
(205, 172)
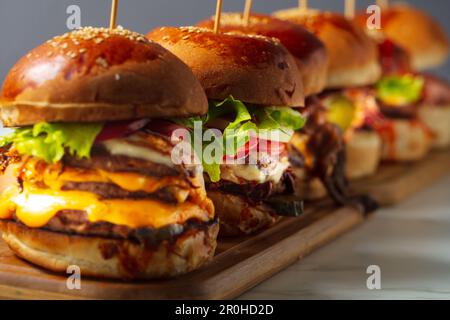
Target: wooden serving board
(239, 264)
(395, 182)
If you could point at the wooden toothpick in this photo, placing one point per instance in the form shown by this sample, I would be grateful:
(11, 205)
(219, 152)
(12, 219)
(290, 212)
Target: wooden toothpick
(303, 5)
(112, 21)
(383, 4)
(350, 7)
(218, 16)
(247, 11)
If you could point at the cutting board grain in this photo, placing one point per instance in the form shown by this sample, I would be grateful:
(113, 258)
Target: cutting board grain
(239, 264)
(395, 182)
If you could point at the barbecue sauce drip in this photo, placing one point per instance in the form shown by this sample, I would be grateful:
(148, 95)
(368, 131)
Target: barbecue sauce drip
(394, 59)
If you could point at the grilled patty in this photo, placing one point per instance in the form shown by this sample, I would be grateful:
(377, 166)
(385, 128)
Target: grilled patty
(76, 222)
(112, 191)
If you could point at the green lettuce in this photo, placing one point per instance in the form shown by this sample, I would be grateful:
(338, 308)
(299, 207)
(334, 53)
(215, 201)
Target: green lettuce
(283, 119)
(50, 141)
(400, 90)
(244, 120)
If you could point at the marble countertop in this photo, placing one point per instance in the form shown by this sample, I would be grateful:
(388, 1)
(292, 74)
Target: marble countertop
(409, 242)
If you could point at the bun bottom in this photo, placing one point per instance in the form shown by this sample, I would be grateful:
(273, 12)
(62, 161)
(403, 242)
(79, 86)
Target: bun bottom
(306, 188)
(437, 119)
(363, 154)
(405, 141)
(237, 217)
(111, 258)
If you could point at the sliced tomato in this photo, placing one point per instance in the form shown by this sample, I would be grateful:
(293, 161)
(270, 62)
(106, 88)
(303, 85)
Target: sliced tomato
(273, 148)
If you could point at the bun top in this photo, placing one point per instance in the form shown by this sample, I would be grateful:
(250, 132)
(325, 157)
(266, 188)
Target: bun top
(250, 68)
(97, 74)
(418, 33)
(353, 55)
(309, 51)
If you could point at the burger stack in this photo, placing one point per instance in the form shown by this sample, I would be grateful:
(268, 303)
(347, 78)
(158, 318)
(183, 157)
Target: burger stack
(94, 113)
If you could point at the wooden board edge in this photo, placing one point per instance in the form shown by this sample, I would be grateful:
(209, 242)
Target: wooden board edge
(299, 244)
(410, 179)
(319, 234)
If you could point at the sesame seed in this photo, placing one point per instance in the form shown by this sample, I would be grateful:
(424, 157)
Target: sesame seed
(102, 62)
(72, 55)
(97, 35)
(117, 76)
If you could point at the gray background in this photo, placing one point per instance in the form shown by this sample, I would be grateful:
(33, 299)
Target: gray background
(25, 24)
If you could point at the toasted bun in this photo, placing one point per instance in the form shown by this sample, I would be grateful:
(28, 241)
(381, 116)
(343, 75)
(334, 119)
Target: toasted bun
(94, 74)
(363, 151)
(309, 51)
(253, 69)
(405, 140)
(353, 55)
(437, 119)
(111, 258)
(415, 31)
(237, 217)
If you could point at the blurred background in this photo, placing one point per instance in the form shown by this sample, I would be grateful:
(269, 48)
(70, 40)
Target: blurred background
(24, 24)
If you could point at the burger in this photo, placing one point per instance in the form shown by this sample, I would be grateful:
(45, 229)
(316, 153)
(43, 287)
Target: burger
(253, 85)
(309, 52)
(317, 151)
(95, 183)
(353, 67)
(410, 42)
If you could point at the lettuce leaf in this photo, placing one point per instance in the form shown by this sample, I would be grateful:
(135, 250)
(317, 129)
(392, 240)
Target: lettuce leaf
(400, 90)
(239, 129)
(50, 141)
(283, 119)
(245, 120)
(213, 170)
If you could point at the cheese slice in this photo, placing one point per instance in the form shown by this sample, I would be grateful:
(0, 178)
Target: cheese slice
(300, 142)
(123, 148)
(36, 207)
(54, 176)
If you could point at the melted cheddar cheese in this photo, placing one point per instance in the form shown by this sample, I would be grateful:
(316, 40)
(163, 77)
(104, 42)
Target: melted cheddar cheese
(54, 177)
(36, 207)
(42, 197)
(300, 142)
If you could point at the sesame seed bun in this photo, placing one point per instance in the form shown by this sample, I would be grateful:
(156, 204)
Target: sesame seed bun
(416, 31)
(95, 74)
(353, 54)
(309, 52)
(253, 69)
